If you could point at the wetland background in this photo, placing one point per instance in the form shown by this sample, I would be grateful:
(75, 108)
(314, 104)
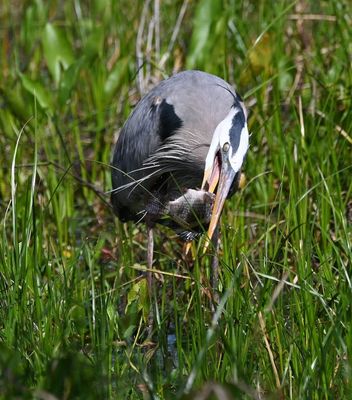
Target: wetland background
(73, 302)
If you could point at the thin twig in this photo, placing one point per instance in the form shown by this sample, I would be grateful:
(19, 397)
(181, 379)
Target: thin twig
(157, 29)
(312, 17)
(301, 119)
(174, 35)
(277, 292)
(267, 345)
(139, 51)
(149, 52)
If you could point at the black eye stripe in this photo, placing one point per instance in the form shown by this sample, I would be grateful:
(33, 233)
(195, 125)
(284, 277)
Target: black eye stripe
(238, 123)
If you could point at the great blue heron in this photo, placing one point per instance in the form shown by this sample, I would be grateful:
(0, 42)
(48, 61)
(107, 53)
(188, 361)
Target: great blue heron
(189, 132)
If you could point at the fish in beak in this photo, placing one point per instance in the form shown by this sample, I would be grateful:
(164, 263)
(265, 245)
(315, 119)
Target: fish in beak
(224, 160)
(225, 180)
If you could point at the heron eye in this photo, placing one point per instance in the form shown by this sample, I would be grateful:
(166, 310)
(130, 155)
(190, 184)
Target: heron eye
(226, 147)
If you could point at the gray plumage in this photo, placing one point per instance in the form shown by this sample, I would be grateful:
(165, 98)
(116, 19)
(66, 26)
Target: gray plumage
(163, 145)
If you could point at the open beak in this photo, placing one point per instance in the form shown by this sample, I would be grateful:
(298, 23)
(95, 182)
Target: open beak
(224, 159)
(226, 178)
(223, 179)
(211, 176)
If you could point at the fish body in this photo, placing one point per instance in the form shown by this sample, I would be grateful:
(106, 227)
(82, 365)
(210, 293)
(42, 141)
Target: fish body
(185, 214)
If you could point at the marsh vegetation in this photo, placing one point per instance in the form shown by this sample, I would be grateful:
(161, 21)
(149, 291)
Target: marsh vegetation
(73, 299)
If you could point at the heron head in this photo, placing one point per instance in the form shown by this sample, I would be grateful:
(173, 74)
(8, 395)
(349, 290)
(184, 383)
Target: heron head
(225, 157)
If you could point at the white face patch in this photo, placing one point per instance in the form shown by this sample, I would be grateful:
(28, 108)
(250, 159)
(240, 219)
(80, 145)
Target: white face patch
(224, 136)
(226, 125)
(237, 158)
(239, 141)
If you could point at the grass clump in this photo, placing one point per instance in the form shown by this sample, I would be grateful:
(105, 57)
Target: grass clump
(73, 302)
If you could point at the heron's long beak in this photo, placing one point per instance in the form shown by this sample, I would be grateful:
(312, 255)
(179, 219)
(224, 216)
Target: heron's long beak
(223, 178)
(211, 176)
(227, 176)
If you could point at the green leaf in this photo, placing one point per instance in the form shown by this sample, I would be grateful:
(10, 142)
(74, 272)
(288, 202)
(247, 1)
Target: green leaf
(95, 43)
(129, 331)
(259, 60)
(57, 50)
(207, 14)
(41, 94)
(68, 81)
(100, 6)
(15, 102)
(139, 295)
(115, 78)
(260, 55)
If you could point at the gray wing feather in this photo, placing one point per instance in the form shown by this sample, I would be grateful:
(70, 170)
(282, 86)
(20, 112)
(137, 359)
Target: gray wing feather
(169, 131)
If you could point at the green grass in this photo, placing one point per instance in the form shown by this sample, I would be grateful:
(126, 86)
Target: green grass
(73, 302)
